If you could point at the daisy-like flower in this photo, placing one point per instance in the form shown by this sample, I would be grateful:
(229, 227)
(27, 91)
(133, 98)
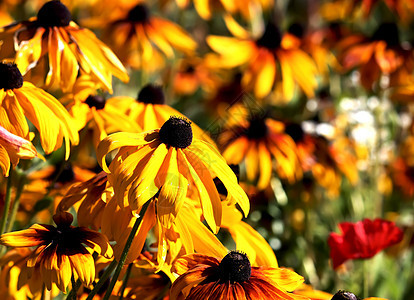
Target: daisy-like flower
(60, 251)
(206, 277)
(20, 100)
(381, 54)
(262, 57)
(150, 111)
(13, 148)
(54, 49)
(142, 40)
(258, 140)
(170, 162)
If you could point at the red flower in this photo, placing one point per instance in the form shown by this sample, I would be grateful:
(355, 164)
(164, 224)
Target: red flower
(363, 239)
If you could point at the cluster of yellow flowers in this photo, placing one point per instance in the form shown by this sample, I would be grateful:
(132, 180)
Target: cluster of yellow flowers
(147, 188)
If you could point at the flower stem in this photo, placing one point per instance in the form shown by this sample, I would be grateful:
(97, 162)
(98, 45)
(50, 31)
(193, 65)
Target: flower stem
(75, 286)
(20, 185)
(124, 284)
(123, 256)
(7, 200)
(366, 278)
(102, 280)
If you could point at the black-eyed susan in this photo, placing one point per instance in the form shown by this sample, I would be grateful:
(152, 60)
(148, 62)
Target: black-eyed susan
(262, 57)
(60, 252)
(54, 50)
(258, 140)
(13, 148)
(94, 113)
(141, 39)
(380, 54)
(327, 160)
(206, 277)
(169, 161)
(21, 100)
(150, 111)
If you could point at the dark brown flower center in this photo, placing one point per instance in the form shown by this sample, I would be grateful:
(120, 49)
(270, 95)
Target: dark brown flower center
(96, 101)
(295, 131)
(271, 37)
(257, 128)
(387, 32)
(54, 13)
(10, 76)
(235, 267)
(151, 94)
(297, 30)
(176, 132)
(139, 14)
(343, 295)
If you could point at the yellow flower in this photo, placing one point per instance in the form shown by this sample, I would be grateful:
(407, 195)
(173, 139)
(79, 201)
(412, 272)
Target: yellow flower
(141, 40)
(170, 162)
(263, 57)
(257, 140)
(54, 49)
(12, 148)
(149, 110)
(60, 250)
(233, 278)
(20, 100)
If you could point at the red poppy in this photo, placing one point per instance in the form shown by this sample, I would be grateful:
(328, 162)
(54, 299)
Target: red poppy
(362, 239)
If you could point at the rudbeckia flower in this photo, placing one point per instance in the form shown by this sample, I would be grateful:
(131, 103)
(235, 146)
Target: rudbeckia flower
(150, 111)
(54, 50)
(362, 239)
(20, 100)
(60, 251)
(169, 161)
(382, 54)
(141, 39)
(262, 57)
(258, 140)
(327, 160)
(12, 148)
(205, 277)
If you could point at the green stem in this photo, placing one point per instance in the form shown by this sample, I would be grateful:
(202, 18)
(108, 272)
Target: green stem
(7, 200)
(124, 284)
(75, 286)
(102, 280)
(16, 202)
(123, 257)
(366, 278)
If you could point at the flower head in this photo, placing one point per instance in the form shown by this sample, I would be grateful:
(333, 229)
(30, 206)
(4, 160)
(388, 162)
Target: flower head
(170, 162)
(206, 277)
(54, 50)
(20, 100)
(362, 239)
(60, 250)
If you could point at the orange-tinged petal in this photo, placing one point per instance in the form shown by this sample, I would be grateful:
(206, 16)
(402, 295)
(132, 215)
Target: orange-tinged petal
(213, 161)
(84, 266)
(4, 161)
(24, 238)
(19, 146)
(235, 28)
(235, 52)
(252, 161)
(174, 34)
(173, 192)
(265, 76)
(288, 83)
(121, 139)
(287, 279)
(265, 163)
(149, 181)
(69, 69)
(30, 51)
(55, 47)
(236, 151)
